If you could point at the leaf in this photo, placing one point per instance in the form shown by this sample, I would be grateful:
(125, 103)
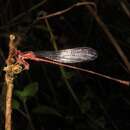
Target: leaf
(46, 110)
(29, 91)
(67, 74)
(16, 104)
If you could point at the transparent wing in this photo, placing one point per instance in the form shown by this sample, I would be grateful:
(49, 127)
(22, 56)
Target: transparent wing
(73, 55)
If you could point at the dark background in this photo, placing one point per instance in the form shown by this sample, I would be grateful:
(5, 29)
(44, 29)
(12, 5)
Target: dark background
(66, 99)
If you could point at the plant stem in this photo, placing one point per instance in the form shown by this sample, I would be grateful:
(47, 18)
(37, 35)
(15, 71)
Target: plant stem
(8, 111)
(28, 116)
(53, 41)
(11, 70)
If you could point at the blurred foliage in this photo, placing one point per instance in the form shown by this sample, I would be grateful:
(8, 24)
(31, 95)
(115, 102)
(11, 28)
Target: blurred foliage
(47, 97)
(28, 92)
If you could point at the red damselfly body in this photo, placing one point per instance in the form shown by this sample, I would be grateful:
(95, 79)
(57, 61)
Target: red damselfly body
(62, 58)
(74, 55)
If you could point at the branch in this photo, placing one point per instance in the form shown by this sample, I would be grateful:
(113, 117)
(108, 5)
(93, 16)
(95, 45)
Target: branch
(11, 70)
(67, 9)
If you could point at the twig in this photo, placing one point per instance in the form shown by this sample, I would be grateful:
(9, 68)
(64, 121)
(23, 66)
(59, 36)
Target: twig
(28, 11)
(67, 9)
(109, 35)
(125, 8)
(11, 23)
(11, 70)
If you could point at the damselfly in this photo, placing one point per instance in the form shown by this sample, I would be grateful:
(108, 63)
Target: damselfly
(74, 55)
(61, 58)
